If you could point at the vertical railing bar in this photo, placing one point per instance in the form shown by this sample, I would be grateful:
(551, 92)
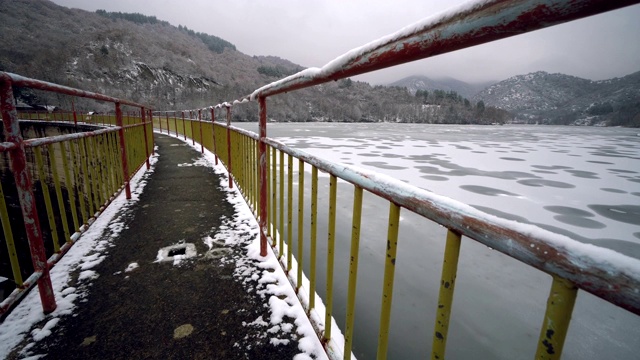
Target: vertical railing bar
(146, 137)
(331, 240)
(353, 271)
(99, 169)
(289, 211)
(445, 297)
(274, 179)
(108, 159)
(85, 173)
(93, 173)
(281, 212)
(123, 152)
(254, 173)
(59, 198)
(116, 161)
(229, 168)
(69, 184)
(111, 164)
(175, 123)
(79, 184)
(8, 236)
(267, 156)
(193, 131)
(300, 221)
(557, 317)
(387, 286)
(53, 228)
(213, 134)
(184, 127)
(263, 161)
(166, 118)
(314, 232)
(200, 125)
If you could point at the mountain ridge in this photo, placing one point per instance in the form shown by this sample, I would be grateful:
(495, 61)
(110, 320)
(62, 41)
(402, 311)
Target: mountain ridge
(541, 97)
(422, 82)
(150, 61)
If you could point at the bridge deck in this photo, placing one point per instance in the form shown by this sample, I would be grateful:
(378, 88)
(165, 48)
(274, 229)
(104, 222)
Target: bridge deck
(138, 314)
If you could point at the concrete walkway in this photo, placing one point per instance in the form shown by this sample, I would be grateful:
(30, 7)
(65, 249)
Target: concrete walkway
(194, 310)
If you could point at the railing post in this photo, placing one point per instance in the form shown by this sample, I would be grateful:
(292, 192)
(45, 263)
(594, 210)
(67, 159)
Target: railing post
(213, 133)
(562, 298)
(229, 145)
(146, 141)
(167, 117)
(200, 124)
(26, 197)
(262, 165)
(160, 122)
(73, 108)
(445, 297)
(123, 151)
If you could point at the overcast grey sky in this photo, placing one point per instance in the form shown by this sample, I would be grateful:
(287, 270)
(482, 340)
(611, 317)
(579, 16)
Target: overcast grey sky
(312, 33)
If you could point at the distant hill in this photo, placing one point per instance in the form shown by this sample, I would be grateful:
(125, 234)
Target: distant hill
(418, 82)
(147, 60)
(169, 67)
(561, 99)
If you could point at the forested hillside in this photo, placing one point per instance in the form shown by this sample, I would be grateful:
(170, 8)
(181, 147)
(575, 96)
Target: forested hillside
(148, 60)
(561, 99)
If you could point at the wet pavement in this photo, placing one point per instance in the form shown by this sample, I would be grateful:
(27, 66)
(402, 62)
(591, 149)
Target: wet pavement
(195, 310)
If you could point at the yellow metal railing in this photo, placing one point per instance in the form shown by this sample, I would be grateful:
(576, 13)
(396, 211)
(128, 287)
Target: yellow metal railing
(60, 183)
(571, 264)
(283, 217)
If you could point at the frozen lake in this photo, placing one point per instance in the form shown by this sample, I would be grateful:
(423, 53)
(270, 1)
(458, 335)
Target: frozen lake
(577, 181)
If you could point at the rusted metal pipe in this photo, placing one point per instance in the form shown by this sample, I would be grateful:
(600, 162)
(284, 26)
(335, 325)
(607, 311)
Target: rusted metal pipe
(75, 117)
(21, 81)
(26, 197)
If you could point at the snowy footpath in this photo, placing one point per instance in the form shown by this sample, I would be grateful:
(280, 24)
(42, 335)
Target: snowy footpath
(173, 273)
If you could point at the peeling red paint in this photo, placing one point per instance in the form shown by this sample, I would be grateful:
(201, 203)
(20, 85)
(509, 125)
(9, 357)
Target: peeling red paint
(20, 172)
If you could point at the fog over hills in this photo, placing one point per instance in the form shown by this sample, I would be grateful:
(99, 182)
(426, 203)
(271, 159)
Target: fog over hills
(169, 67)
(419, 82)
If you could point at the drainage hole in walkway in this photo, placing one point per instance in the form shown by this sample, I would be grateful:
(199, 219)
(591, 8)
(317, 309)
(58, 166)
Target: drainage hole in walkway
(177, 251)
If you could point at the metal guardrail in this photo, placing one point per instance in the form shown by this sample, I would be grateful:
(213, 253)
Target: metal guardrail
(85, 170)
(256, 158)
